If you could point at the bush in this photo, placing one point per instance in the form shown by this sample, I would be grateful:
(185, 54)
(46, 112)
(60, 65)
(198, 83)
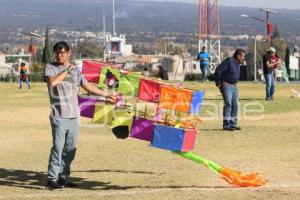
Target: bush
(192, 77)
(38, 77)
(197, 77)
(14, 78)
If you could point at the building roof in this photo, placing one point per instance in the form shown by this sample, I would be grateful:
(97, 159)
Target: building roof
(136, 58)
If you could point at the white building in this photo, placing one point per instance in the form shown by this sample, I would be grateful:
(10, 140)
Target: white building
(9, 63)
(179, 67)
(116, 46)
(294, 66)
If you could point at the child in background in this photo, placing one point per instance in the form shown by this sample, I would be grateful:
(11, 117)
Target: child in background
(23, 75)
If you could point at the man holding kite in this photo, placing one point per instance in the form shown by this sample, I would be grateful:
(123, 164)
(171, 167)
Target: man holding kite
(63, 81)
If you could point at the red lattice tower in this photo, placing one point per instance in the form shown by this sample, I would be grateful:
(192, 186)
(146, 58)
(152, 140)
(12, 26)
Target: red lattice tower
(209, 30)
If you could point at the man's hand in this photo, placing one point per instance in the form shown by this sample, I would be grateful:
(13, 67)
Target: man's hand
(73, 67)
(218, 85)
(277, 64)
(112, 97)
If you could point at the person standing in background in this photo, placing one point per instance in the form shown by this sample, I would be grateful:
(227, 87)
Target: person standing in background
(204, 58)
(270, 63)
(227, 76)
(23, 73)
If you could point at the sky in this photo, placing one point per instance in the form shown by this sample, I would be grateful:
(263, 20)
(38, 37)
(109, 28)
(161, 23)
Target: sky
(275, 4)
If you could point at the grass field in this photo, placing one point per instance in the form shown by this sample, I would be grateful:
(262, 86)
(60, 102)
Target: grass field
(107, 168)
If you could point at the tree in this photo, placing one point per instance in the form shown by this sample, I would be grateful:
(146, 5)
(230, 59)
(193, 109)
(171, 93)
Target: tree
(287, 59)
(260, 51)
(192, 50)
(278, 42)
(38, 66)
(276, 33)
(47, 53)
(88, 49)
(135, 49)
(178, 50)
(280, 46)
(159, 45)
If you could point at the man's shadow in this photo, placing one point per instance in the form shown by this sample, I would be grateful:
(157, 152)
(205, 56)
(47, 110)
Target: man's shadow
(37, 180)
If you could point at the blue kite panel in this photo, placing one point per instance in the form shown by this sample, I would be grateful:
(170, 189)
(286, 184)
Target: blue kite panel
(196, 102)
(169, 138)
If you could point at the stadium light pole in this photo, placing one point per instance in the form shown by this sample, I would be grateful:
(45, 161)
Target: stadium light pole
(269, 30)
(269, 25)
(255, 43)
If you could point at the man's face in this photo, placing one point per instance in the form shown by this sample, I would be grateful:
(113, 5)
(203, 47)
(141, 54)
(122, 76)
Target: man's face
(62, 56)
(241, 58)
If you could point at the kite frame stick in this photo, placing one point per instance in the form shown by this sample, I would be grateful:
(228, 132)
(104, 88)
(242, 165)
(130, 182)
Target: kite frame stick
(145, 111)
(166, 118)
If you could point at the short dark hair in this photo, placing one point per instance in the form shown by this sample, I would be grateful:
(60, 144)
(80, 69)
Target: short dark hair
(61, 45)
(203, 48)
(238, 52)
(22, 64)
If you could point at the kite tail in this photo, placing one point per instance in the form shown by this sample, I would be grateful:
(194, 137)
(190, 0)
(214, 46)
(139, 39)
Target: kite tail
(240, 179)
(232, 177)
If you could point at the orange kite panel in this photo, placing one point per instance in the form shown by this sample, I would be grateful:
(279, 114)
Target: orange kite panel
(175, 98)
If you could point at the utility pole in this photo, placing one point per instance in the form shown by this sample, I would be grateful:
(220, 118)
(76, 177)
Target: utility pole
(165, 48)
(269, 26)
(114, 18)
(255, 64)
(103, 28)
(104, 32)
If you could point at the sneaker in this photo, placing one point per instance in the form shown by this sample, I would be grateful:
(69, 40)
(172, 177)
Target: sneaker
(268, 99)
(65, 183)
(228, 129)
(52, 185)
(238, 128)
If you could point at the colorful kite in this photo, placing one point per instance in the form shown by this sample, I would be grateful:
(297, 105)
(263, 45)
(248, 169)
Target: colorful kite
(157, 112)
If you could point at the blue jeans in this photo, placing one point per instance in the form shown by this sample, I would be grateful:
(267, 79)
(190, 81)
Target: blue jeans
(204, 70)
(20, 82)
(230, 95)
(270, 85)
(64, 134)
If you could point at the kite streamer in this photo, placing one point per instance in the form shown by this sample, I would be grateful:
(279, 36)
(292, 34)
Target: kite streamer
(232, 177)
